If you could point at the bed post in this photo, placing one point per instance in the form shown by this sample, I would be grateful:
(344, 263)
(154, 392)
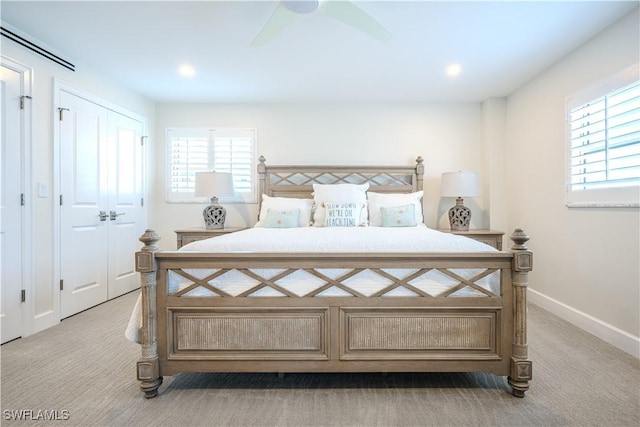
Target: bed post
(148, 369)
(262, 175)
(522, 265)
(419, 174)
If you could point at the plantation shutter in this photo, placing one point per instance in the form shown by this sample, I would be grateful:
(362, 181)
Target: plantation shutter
(605, 141)
(200, 150)
(234, 153)
(189, 153)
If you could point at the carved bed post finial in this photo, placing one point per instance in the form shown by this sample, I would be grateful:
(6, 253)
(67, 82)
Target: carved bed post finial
(150, 238)
(420, 173)
(522, 264)
(520, 238)
(148, 368)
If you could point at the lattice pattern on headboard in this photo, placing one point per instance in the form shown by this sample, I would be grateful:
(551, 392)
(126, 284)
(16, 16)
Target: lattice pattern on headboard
(297, 181)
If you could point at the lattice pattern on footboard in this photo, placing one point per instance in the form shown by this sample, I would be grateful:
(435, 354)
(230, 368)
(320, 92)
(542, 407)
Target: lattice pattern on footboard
(337, 282)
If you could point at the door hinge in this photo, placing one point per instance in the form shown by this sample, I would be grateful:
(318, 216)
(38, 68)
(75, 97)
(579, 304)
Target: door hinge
(23, 295)
(142, 139)
(21, 199)
(142, 201)
(22, 98)
(60, 111)
(61, 200)
(61, 285)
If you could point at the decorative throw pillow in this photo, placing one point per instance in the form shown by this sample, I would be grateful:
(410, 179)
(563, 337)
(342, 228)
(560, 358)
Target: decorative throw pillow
(343, 214)
(277, 218)
(338, 193)
(380, 200)
(285, 203)
(399, 216)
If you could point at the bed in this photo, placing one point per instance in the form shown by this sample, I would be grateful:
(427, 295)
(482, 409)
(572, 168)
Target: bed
(352, 306)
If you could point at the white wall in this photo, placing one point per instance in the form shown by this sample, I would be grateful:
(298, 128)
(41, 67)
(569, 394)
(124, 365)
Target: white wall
(448, 137)
(494, 122)
(40, 299)
(586, 261)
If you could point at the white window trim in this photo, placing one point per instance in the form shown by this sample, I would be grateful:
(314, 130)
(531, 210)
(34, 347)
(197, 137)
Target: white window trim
(611, 197)
(188, 197)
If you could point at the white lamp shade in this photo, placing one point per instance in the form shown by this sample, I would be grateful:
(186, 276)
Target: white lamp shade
(460, 184)
(214, 184)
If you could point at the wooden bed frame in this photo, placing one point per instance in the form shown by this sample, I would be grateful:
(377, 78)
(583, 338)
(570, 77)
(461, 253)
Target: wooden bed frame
(355, 333)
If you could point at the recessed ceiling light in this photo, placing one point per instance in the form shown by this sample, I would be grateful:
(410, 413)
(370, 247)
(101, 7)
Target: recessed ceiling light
(454, 70)
(186, 70)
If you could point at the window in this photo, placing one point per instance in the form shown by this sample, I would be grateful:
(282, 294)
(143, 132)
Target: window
(191, 150)
(604, 143)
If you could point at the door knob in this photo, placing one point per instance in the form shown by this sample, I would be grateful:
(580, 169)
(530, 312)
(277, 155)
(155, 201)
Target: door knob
(113, 215)
(103, 215)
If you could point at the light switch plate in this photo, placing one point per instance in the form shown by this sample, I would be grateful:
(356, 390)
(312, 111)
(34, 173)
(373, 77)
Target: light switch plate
(43, 189)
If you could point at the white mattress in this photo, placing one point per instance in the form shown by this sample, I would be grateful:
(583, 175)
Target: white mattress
(338, 239)
(335, 239)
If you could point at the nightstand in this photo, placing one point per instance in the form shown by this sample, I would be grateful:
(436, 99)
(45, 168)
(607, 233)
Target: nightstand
(490, 237)
(189, 235)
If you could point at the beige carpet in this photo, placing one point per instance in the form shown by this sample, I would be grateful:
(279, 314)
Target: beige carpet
(84, 370)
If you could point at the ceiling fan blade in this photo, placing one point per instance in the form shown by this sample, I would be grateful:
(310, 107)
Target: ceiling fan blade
(352, 15)
(280, 19)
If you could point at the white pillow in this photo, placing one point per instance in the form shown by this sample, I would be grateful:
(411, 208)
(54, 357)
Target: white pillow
(338, 193)
(285, 203)
(379, 200)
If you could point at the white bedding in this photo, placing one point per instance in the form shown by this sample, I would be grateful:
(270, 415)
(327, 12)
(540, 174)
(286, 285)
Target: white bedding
(331, 239)
(338, 239)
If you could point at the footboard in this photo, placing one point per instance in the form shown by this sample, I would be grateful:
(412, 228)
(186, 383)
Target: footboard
(430, 312)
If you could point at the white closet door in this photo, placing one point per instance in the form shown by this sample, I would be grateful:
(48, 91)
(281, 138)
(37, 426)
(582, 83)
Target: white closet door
(11, 216)
(84, 216)
(125, 202)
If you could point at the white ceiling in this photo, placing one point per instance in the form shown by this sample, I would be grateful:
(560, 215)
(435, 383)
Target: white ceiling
(500, 46)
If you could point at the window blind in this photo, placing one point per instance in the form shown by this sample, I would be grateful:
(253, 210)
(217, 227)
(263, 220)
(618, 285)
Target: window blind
(234, 153)
(605, 141)
(200, 150)
(188, 156)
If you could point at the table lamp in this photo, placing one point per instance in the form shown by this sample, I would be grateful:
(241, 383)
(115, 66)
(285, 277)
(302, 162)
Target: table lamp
(460, 184)
(214, 185)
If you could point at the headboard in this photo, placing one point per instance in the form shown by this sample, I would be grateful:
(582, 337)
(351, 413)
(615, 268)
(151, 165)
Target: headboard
(297, 181)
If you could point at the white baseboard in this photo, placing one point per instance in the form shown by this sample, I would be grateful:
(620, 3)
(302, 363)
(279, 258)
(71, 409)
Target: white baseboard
(606, 332)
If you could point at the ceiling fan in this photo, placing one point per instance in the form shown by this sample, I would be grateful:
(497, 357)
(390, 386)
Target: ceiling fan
(342, 10)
